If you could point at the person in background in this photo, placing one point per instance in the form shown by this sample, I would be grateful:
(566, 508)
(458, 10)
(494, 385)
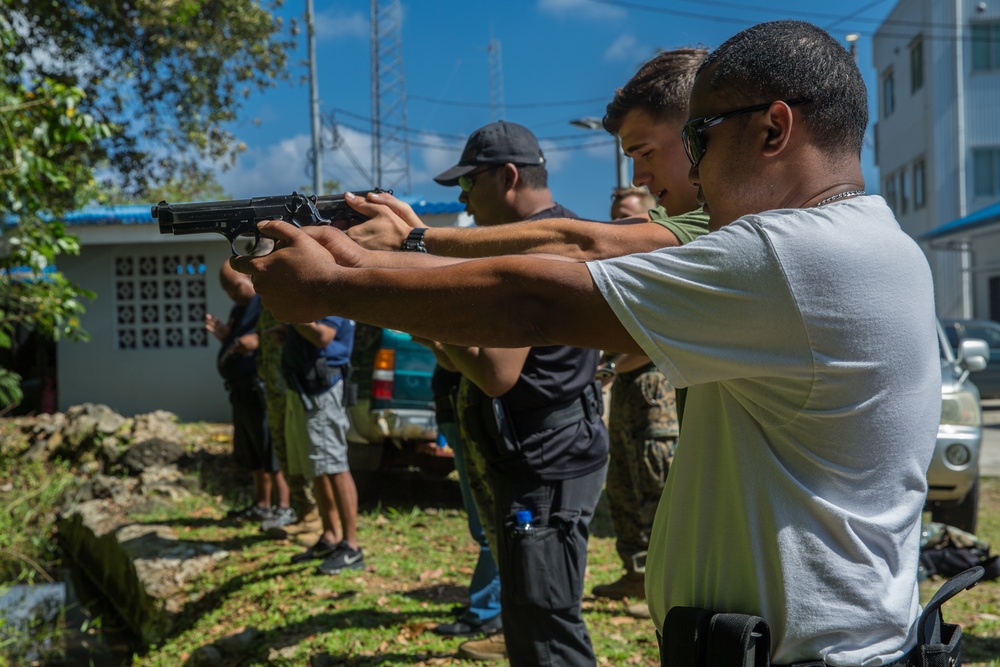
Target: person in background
(532, 417)
(237, 364)
(643, 422)
(315, 361)
(631, 202)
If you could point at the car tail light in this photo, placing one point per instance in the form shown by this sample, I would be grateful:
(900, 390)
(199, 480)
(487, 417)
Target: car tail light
(383, 374)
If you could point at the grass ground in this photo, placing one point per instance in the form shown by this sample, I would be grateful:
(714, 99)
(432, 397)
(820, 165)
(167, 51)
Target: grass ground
(419, 559)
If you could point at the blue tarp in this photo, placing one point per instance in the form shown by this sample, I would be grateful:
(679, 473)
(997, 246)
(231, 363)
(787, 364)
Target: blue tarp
(980, 218)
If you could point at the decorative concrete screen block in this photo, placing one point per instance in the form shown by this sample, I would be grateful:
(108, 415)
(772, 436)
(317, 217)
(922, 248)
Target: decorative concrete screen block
(160, 301)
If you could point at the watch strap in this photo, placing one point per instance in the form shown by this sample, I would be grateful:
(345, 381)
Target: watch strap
(415, 240)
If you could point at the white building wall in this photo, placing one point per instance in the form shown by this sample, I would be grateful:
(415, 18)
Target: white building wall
(955, 111)
(182, 380)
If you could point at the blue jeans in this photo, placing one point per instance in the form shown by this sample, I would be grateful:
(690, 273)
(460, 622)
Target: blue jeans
(484, 589)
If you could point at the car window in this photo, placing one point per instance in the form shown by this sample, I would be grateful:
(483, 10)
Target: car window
(989, 334)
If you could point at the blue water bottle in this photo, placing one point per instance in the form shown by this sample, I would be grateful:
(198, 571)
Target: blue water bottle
(523, 525)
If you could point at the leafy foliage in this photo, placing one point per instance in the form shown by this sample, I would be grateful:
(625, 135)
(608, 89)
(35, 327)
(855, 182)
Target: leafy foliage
(131, 94)
(165, 75)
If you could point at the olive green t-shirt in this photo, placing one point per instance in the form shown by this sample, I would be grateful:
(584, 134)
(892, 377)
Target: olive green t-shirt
(686, 227)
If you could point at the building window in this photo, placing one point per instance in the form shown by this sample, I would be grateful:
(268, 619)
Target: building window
(890, 192)
(160, 302)
(919, 184)
(904, 192)
(986, 172)
(916, 65)
(985, 47)
(888, 94)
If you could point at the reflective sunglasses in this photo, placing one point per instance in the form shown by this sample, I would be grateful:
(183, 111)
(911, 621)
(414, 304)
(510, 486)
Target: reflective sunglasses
(469, 180)
(694, 142)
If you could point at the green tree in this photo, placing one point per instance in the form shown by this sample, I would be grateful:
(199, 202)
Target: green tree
(127, 97)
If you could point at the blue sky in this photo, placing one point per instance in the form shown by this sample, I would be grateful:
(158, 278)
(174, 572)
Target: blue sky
(561, 60)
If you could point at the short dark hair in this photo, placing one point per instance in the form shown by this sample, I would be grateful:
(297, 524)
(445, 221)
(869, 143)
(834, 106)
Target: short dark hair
(633, 191)
(533, 176)
(661, 88)
(783, 60)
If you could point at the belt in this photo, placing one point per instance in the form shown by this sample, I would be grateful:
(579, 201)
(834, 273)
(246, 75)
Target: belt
(588, 405)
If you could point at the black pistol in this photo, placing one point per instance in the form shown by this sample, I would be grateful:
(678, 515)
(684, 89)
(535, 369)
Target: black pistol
(239, 217)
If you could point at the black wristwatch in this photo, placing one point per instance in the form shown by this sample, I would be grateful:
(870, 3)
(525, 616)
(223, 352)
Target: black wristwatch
(415, 240)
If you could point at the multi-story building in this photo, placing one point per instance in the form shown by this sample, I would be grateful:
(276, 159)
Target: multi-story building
(937, 142)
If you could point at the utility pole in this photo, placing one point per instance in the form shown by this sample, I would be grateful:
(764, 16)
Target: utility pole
(317, 142)
(496, 80)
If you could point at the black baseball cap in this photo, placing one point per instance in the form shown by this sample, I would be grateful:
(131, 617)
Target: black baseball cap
(496, 143)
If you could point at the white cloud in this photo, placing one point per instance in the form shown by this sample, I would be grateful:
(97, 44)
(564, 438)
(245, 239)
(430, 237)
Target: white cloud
(334, 23)
(580, 9)
(626, 48)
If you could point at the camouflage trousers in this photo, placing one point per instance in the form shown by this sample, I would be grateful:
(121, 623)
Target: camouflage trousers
(643, 430)
(475, 466)
(269, 371)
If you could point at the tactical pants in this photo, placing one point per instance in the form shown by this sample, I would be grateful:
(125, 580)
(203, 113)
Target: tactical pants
(542, 571)
(643, 430)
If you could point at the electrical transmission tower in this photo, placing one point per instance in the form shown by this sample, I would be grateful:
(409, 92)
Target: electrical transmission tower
(390, 141)
(496, 80)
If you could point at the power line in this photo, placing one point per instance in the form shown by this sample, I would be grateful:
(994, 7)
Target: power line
(528, 105)
(947, 28)
(581, 145)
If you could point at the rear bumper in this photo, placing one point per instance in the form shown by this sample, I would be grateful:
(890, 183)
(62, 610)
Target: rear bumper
(394, 424)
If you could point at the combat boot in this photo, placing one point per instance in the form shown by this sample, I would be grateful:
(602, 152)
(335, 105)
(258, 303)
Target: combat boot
(491, 648)
(631, 585)
(638, 610)
(309, 523)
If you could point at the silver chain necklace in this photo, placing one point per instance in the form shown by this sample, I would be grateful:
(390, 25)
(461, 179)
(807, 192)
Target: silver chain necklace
(842, 195)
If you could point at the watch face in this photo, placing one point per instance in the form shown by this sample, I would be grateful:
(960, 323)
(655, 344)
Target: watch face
(604, 374)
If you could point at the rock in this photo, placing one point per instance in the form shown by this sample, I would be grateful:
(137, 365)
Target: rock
(160, 425)
(152, 452)
(137, 567)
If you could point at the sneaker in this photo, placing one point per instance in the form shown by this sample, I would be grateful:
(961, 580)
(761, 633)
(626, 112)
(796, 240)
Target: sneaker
(638, 610)
(318, 551)
(491, 648)
(252, 512)
(280, 517)
(343, 558)
(463, 628)
(630, 585)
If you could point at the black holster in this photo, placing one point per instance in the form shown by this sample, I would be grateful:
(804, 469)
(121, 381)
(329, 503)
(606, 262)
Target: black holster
(695, 637)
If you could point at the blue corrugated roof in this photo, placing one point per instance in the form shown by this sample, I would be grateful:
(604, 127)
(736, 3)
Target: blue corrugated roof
(980, 218)
(139, 214)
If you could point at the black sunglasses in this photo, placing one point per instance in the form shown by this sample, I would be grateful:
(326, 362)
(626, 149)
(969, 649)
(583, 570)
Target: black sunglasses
(694, 142)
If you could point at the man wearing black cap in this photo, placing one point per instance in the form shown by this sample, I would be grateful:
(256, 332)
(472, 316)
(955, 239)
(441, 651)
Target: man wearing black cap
(533, 421)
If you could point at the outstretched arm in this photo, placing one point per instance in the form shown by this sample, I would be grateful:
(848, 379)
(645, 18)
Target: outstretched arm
(501, 302)
(582, 240)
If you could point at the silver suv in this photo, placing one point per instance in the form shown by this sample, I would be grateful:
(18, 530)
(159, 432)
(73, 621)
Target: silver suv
(953, 476)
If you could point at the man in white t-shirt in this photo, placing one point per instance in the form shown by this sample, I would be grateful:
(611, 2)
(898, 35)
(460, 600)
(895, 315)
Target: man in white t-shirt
(803, 323)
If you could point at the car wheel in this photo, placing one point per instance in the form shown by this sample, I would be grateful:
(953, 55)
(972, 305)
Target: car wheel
(964, 515)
